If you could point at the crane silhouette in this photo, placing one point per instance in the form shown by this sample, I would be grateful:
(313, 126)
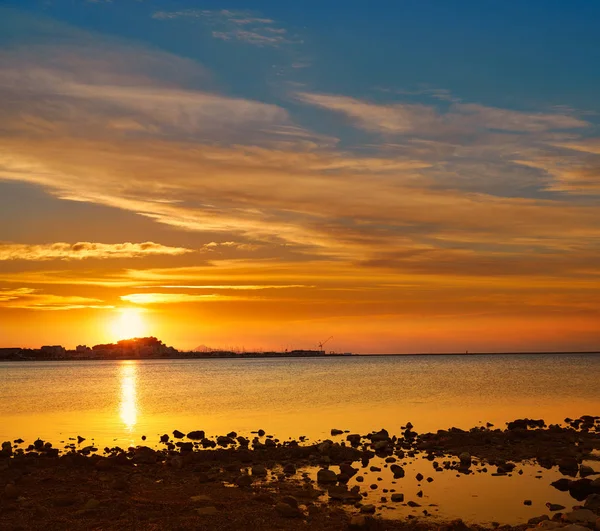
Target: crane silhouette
(322, 343)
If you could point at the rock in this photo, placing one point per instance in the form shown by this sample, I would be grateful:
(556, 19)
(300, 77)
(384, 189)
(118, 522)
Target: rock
(412, 504)
(196, 435)
(574, 527)
(538, 519)
(244, 481)
(561, 484)
(259, 470)
(201, 499)
(554, 507)
(341, 493)
(397, 470)
(326, 476)
(232, 435)
(585, 471)
(64, 501)
(261, 433)
(358, 521)
(185, 446)
(91, 505)
(398, 497)
(348, 470)
(360, 479)
(527, 502)
(207, 511)
(224, 440)
(368, 509)
(465, 458)
(335, 432)
(569, 466)
(178, 434)
(287, 511)
(593, 503)
(582, 488)
(290, 500)
(289, 469)
(164, 438)
(381, 435)
(419, 477)
(80, 439)
(581, 516)
(11, 492)
(353, 439)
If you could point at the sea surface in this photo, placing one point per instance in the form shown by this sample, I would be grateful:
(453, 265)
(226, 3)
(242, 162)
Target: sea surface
(117, 402)
(123, 400)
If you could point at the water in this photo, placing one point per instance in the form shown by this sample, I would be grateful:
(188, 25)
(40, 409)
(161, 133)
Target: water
(123, 400)
(116, 402)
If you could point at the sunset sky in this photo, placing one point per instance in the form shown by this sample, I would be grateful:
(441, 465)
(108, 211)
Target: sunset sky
(405, 176)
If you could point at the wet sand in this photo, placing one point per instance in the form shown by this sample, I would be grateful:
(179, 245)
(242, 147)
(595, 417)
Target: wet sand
(189, 481)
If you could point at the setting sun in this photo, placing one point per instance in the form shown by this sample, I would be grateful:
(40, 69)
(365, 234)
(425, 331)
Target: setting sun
(128, 323)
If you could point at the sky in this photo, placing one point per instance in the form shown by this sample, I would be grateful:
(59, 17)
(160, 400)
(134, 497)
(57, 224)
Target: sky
(405, 176)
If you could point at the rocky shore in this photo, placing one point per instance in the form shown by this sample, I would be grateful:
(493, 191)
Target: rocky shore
(179, 481)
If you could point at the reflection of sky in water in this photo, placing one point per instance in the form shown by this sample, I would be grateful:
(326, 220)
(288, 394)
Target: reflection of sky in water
(128, 404)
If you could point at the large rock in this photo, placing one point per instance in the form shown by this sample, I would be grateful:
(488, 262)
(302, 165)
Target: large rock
(398, 497)
(196, 435)
(326, 476)
(593, 503)
(585, 471)
(178, 434)
(581, 516)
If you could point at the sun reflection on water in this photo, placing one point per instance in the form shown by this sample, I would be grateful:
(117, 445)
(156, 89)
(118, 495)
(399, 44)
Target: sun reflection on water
(128, 407)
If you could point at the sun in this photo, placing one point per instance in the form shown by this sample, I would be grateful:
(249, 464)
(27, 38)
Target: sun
(128, 323)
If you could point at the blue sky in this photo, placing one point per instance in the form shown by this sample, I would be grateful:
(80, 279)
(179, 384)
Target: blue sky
(378, 170)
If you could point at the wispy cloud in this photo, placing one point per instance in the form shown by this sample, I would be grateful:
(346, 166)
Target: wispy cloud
(84, 250)
(461, 118)
(231, 25)
(31, 299)
(176, 298)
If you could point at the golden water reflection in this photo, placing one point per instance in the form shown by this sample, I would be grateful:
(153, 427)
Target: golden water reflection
(128, 408)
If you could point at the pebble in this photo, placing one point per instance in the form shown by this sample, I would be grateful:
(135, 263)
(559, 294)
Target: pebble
(207, 511)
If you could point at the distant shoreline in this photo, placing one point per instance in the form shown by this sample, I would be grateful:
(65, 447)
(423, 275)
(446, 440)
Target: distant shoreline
(284, 355)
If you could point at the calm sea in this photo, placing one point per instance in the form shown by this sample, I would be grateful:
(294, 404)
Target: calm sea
(123, 400)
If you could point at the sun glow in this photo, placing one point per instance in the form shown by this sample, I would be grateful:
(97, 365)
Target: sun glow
(128, 323)
(128, 405)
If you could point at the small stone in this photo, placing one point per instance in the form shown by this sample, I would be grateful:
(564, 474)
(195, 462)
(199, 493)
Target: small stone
(419, 477)
(261, 433)
(11, 492)
(207, 511)
(289, 469)
(244, 481)
(368, 509)
(287, 511)
(398, 497)
(538, 519)
(201, 498)
(555, 507)
(290, 500)
(335, 432)
(196, 435)
(259, 470)
(80, 439)
(527, 502)
(178, 434)
(91, 505)
(326, 476)
(358, 521)
(412, 504)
